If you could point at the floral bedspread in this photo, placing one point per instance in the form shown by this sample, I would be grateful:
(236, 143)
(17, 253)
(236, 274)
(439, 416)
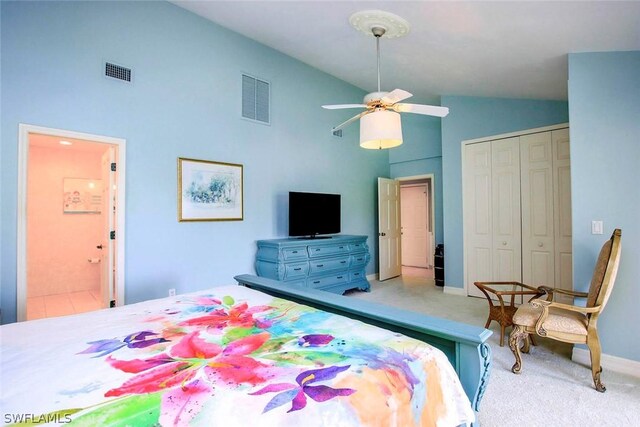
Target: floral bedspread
(231, 356)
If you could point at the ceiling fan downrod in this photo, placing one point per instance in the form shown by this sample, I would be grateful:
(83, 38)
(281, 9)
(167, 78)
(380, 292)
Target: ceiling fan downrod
(378, 32)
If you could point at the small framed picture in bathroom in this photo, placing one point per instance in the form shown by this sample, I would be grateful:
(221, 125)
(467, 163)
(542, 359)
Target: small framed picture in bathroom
(209, 191)
(82, 195)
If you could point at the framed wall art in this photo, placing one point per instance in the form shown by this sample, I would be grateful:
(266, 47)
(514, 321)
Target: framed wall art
(209, 191)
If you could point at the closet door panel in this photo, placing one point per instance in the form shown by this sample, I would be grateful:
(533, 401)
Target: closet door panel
(536, 175)
(505, 162)
(477, 215)
(562, 212)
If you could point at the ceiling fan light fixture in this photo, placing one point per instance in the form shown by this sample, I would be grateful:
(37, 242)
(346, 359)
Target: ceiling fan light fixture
(380, 130)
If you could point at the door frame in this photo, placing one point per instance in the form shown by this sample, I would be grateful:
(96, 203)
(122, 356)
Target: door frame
(23, 164)
(432, 199)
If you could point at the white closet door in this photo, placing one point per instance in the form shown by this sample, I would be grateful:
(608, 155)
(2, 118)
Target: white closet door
(477, 215)
(507, 255)
(538, 253)
(562, 212)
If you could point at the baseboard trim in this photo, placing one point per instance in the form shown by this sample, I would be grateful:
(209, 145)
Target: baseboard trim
(452, 290)
(373, 276)
(613, 363)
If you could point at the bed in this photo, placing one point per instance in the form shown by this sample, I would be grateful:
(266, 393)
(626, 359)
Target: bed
(255, 354)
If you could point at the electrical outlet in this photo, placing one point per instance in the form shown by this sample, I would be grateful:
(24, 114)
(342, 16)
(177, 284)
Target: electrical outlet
(172, 292)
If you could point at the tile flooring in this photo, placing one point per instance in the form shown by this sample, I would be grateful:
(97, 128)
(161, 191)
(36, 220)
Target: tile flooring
(427, 273)
(62, 304)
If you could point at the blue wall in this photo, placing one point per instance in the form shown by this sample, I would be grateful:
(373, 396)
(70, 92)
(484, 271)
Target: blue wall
(184, 102)
(421, 154)
(471, 118)
(604, 109)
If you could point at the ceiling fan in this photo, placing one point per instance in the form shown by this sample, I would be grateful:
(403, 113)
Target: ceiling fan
(380, 122)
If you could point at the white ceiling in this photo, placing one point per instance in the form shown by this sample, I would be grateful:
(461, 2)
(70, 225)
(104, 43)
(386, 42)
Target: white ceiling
(497, 49)
(53, 142)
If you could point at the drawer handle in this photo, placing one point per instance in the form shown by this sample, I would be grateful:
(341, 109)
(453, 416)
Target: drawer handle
(356, 274)
(316, 282)
(339, 277)
(294, 252)
(317, 250)
(343, 262)
(297, 269)
(320, 265)
(359, 259)
(341, 247)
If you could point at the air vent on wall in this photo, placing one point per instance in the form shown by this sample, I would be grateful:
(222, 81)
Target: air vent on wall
(255, 99)
(117, 72)
(338, 133)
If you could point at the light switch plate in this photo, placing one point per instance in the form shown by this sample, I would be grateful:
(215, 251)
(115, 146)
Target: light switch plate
(596, 227)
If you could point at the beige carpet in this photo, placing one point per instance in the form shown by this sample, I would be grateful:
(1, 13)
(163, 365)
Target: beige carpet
(552, 390)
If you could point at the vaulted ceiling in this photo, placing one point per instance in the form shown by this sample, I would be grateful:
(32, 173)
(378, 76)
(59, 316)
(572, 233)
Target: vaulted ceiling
(496, 49)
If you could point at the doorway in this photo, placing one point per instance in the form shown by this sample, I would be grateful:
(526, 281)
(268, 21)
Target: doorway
(406, 230)
(417, 224)
(70, 222)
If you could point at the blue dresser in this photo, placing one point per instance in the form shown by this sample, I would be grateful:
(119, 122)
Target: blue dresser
(336, 264)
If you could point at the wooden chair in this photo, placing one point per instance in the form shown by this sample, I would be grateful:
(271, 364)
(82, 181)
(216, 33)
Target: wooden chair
(570, 323)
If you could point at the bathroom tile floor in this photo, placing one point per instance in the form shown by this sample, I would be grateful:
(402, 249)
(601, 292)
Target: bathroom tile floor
(62, 304)
(417, 272)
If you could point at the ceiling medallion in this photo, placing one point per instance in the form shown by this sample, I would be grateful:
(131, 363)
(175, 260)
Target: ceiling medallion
(365, 21)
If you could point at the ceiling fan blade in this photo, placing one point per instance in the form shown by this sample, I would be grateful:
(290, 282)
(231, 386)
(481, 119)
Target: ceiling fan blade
(351, 120)
(429, 110)
(395, 95)
(342, 106)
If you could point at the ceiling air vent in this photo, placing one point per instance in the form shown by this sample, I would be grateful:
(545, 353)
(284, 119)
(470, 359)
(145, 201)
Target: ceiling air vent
(255, 99)
(117, 72)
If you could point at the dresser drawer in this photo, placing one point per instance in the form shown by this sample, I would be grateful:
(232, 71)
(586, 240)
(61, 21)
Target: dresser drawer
(325, 265)
(324, 250)
(298, 269)
(294, 253)
(356, 275)
(357, 247)
(320, 282)
(358, 260)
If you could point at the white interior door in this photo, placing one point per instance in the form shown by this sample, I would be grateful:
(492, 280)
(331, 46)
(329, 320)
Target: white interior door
(106, 244)
(477, 215)
(538, 254)
(415, 226)
(389, 234)
(505, 189)
(562, 213)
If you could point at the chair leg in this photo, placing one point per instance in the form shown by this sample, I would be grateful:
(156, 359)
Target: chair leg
(526, 343)
(594, 348)
(533, 342)
(517, 334)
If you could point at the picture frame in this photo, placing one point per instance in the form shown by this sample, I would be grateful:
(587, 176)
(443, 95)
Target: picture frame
(209, 191)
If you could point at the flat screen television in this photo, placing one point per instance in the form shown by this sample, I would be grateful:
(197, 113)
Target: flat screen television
(312, 214)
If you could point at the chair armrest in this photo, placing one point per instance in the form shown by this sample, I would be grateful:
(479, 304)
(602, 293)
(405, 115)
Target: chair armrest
(563, 292)
(545, 305)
